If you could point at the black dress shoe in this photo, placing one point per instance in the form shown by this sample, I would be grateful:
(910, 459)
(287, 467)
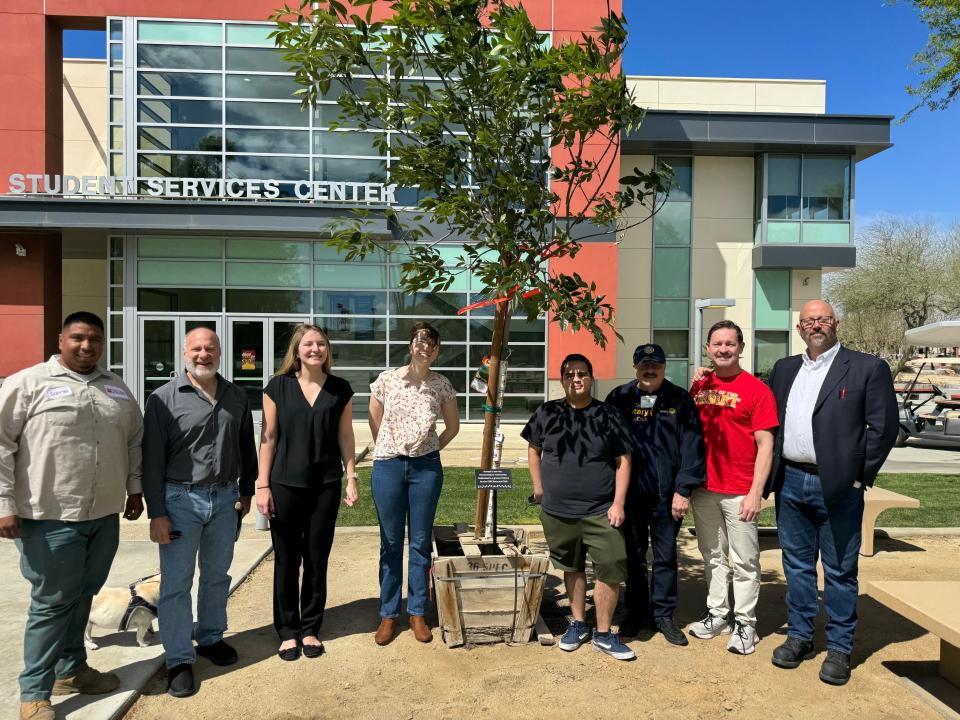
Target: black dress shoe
(180, 681)
(671, 631)
(836, 668)
(219, 653)
(792, 652)
(289, 654)
(313, 651)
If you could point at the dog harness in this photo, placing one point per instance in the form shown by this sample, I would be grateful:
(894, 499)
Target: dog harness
(136, 602)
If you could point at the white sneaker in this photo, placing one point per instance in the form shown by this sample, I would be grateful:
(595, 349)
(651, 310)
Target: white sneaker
(744, 639)
(709, 626)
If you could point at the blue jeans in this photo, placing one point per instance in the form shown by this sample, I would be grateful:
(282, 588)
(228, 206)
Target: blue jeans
(406, 491)
(807, 526)
(205, 516)
(66, 564)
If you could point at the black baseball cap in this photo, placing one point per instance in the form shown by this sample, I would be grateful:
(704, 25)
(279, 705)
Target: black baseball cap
(651, 352)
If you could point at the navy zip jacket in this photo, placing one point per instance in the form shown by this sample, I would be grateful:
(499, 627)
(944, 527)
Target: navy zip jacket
(671, 456)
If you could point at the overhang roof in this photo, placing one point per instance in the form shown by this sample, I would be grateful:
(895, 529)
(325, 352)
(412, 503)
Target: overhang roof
(747, 133)
(945, 333)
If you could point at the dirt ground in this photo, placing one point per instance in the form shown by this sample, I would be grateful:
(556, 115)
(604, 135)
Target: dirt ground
(357, 679)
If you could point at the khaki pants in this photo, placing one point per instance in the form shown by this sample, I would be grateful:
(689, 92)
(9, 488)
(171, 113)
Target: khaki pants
(725, 540)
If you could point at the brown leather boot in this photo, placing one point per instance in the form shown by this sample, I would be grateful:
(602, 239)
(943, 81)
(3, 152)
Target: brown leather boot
(36, 710)
(421, 631)
(87, 681)
(386, 632)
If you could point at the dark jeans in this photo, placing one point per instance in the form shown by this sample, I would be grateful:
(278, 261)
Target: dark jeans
(66, 564)
(406, 491)
(807, 527)
(649, 521)
(302, 532)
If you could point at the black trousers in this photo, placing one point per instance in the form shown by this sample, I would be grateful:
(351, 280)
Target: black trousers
(302, 532)
(649, 521)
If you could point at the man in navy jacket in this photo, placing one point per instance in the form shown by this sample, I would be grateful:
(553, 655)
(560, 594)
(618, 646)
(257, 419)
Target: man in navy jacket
(838, 422)
(669, 463)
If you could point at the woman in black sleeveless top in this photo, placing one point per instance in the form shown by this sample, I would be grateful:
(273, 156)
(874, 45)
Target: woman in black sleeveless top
(306, 444)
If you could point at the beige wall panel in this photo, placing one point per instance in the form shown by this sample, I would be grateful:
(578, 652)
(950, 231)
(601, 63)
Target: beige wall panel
(803, 109)
(712, 107)
(800, 294)
(633, 274)
(723, 188)
(85, 73)
(83, 107)
(84, 286)
(646, 93)
(84, 118)
(723, 272)
(702, 92)
(83, 158)
(713, 232)
(631, 338)
(810, 93)
(632, 314)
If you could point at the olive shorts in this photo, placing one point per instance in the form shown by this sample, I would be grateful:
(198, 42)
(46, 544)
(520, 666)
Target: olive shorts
(570, 539)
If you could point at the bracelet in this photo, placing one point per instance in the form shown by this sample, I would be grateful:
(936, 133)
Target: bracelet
(263, 487)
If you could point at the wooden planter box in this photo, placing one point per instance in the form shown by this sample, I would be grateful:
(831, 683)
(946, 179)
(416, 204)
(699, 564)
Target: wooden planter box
(483, 597)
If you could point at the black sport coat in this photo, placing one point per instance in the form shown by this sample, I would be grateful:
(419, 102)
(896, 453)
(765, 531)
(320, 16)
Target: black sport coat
(855, 420)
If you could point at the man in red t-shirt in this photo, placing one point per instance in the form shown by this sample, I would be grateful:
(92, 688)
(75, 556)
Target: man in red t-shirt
(739, 416)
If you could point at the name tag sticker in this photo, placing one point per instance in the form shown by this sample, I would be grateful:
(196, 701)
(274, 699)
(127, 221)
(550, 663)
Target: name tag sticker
(59, 392)
(648, 401)
(115, 392)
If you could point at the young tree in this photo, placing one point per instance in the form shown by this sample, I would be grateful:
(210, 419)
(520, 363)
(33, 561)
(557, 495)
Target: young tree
(511, 147)
(939, 61)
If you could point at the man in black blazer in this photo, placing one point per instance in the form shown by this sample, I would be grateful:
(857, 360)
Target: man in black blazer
(838, 422)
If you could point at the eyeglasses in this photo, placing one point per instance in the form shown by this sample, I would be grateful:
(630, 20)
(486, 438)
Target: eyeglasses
(826, 321)
(576, 374)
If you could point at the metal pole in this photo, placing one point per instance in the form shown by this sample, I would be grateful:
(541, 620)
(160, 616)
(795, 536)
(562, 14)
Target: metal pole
(698, 339)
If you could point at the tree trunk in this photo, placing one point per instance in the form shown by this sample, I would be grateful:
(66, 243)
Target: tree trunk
(502, 314)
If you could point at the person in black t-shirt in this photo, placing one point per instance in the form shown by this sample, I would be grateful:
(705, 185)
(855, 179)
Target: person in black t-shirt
(668, 464)
(307, 442)
(580, 466)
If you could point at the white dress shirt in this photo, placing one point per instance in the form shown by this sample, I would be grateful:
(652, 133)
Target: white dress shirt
(798, 420)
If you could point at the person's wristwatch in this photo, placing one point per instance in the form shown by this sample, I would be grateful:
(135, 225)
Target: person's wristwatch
(353, 477)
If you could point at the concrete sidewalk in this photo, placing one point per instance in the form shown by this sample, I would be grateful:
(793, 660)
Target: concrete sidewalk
(118, 652)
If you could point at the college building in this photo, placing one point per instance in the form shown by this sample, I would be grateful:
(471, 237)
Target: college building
(177, 183)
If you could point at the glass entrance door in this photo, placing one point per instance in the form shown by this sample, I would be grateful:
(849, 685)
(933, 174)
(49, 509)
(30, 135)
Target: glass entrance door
(161, 348)
(256, 350)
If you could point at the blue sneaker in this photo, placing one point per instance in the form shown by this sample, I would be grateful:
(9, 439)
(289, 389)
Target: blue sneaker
(610, 643)
(575, 636)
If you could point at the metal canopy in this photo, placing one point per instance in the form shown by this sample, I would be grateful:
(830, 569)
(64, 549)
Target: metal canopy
(945, 333)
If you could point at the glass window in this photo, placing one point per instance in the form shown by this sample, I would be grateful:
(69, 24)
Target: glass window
(769, 346)
(268, 301)
(179, 138)
(279, 114)
(275, 141)
(349, 276)
(116, 110)
(682, 188)
(339, 302)
(826, 188)
(116, 138)
(451, 355)
(678, 372)
(360, 381)
(521, 356)
(772, 304)
(198, 166)
(116, 83)
(322, 251)
(162, 246)
(116, 298)
(525, 381)
(116, 54)
(422, 303)
(280, 87)
(116, 165)
(257, 60)
(450, 330)
(250, 34)
(184, 112)
(671, 313)
(344, 170)
(514, 408)
(671, 224)
(265, 167)
(346, 143)
(179, 57)
(116, 29)
(359, 355)
(783, 187)
(197, 272)
(179, 300)
(830, 233)
(326, 113)
(116, 272)
(521, 330)
(345, 327)
(785, 232)
(254, 249)
(256, 274)
(675, 343)
(166, 84)
(191, 32)
(671, 272)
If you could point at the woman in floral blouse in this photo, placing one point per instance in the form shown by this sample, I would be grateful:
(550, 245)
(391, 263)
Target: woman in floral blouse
(407, 476)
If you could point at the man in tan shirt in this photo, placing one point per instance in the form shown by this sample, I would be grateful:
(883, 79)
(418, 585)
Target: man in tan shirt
(70, 436)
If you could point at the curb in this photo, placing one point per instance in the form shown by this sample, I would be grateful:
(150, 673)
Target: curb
(151, 668)
(894, 532)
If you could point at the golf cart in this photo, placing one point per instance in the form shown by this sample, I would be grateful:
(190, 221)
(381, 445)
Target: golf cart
(937, 417)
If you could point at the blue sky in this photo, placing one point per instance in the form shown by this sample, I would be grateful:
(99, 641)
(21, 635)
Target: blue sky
(862, 48)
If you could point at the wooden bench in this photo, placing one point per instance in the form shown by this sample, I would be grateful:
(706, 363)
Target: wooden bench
(876, 500)
(932, 605)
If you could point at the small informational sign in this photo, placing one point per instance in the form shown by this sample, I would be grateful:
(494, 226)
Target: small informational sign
(494, 479)
(248, 360)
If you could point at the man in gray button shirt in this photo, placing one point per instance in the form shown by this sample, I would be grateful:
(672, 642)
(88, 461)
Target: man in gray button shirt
(199, 463)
